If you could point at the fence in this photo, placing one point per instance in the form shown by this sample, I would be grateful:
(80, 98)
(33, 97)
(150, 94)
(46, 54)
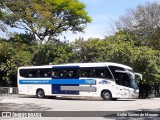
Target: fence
(8, 92)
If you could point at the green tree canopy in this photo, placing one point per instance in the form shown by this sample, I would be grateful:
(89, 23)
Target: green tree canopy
(45, 19)
(12, 56)
(56, 52)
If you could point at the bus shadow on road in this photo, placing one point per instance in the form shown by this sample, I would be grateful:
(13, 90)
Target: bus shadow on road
(75, 98)
(27, 96)
(86, 99)
(125, 100)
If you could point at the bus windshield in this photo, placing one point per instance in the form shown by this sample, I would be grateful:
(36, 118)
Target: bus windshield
(133, 81)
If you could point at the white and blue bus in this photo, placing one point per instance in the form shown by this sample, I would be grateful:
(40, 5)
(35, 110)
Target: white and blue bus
(107, 80)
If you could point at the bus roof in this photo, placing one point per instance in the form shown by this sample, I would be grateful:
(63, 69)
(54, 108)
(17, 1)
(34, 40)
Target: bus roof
(82, 65)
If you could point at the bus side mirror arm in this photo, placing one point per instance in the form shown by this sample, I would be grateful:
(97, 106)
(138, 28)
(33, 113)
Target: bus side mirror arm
(138, 74)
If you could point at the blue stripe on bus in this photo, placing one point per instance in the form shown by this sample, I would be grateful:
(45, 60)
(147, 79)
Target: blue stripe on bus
(60, 81)
(65, 67)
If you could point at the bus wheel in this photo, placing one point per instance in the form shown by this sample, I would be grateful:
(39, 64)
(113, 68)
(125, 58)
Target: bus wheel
(106, 95)
(40, 93)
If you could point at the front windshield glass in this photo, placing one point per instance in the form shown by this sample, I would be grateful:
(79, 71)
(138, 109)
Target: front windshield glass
(133, 81)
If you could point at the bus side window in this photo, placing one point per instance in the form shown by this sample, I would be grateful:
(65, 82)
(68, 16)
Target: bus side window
(23, 73)
(57, 73)
(35, 73)
(102, 72)
(122, 79)
(86, 72)
(71, 73)
(98, 72)
(32, 73)
(44, 73)
(65, 73)
(119, 79)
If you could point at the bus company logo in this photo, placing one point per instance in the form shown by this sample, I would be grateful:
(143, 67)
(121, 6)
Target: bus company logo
(90, 81)
(6, 114)
(104, 82)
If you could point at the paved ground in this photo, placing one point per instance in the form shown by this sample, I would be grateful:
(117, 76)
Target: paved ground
(30, 103)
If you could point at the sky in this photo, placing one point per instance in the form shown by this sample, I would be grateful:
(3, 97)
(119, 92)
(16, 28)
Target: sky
(103, 14)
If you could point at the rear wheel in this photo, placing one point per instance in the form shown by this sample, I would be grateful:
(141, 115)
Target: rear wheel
(40, 93)
(106, 95)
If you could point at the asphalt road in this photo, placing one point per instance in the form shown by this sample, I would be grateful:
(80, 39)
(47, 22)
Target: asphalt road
(91, 106)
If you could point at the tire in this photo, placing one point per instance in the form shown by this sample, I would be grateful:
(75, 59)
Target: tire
(40, 93)
(106, 95)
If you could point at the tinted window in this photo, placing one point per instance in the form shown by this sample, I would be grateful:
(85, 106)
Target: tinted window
(44, 73)
(122, 79)
(102, 73)
(71, 73)
(35, 73)
(65, 73)
(114, 68)
(97, 72)
(86, 72)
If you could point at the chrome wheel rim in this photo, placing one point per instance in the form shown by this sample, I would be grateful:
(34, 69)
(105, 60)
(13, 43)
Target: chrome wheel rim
(40, 94)
(107, 95)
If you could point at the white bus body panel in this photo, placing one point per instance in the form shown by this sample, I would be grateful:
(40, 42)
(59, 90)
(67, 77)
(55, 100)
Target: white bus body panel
(117, 91)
